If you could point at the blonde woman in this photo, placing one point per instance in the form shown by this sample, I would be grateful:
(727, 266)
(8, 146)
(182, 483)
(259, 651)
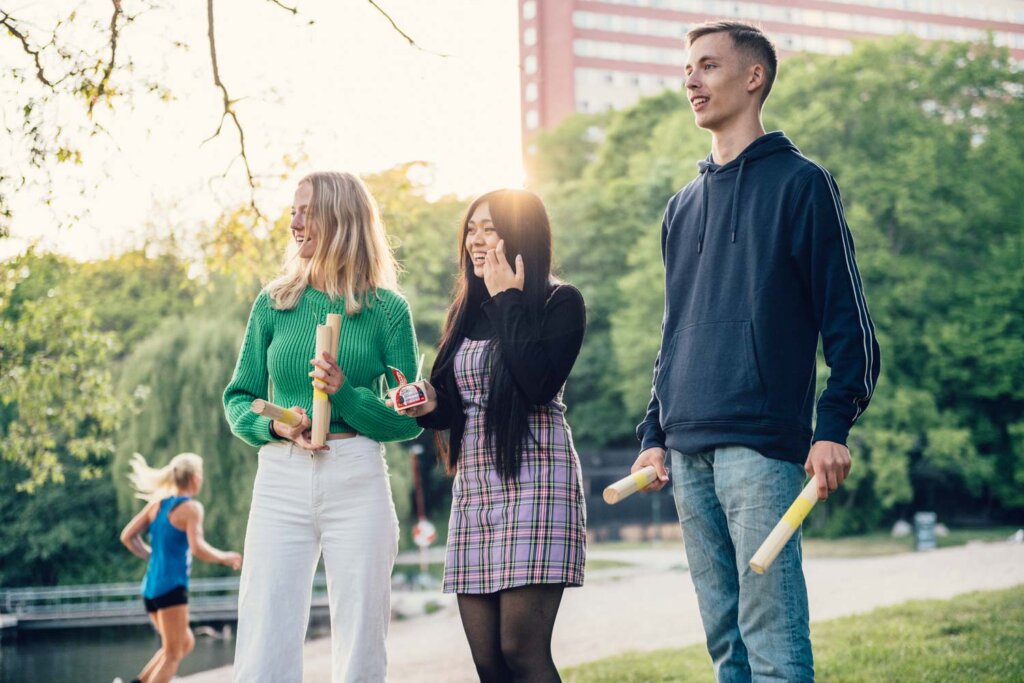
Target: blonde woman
(174, 520)
(335, 500)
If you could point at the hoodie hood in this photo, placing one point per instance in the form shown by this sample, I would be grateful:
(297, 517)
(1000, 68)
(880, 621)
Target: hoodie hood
(766, 145)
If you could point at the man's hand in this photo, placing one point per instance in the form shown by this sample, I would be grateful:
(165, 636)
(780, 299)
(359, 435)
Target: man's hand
(656, 457)
(830, 462)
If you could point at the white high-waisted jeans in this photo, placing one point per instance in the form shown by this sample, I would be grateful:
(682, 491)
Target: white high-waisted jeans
(338, 502)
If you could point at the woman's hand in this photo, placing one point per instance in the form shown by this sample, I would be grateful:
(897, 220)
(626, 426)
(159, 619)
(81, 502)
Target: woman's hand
(328, 376)
(498, 274)
(232, 559)
(300, 434)
(421, 409)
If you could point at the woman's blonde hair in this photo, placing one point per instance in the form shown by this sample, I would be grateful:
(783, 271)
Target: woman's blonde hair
(152, 483)
(352, 255)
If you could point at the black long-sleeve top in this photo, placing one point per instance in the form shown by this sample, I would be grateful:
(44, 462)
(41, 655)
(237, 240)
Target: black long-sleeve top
(539, 353)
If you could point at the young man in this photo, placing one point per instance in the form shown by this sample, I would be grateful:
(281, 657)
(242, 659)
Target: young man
(759, 262)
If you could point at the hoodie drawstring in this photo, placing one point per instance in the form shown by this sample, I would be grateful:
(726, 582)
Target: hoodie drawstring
(767, 145)
(736, 199)
(734, 220)
(703, 211)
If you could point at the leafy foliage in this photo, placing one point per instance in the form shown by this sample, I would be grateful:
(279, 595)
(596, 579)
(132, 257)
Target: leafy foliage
(104, 359)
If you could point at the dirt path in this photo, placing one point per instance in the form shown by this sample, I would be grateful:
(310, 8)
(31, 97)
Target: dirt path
(653, 606)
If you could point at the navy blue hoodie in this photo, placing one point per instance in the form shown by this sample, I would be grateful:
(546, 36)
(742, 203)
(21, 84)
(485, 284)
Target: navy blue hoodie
(758, 262)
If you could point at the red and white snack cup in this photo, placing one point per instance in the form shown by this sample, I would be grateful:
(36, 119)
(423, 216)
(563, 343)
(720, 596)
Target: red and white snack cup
(407, 394)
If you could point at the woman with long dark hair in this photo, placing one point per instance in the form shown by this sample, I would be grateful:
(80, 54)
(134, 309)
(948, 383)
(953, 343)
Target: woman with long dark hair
(517, 534)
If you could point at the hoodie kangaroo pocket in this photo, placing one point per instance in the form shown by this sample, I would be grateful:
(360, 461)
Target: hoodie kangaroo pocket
(710, 374)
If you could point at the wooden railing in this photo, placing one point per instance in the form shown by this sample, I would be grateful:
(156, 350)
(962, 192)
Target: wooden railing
(119, 603)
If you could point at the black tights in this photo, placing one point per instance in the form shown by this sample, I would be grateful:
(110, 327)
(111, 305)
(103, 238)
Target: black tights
(509, 633)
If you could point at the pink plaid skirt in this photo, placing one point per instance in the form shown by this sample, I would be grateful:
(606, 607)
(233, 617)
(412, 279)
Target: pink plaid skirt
(528, 531)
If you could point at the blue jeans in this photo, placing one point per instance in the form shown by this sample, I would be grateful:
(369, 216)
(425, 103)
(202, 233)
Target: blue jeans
(729, 500)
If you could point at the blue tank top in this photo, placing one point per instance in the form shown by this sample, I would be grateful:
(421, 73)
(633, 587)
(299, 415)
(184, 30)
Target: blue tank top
(170, 559)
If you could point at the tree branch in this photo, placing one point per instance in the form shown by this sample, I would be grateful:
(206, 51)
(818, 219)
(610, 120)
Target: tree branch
(402, 33)
(8, 22)
(101, 88)
(228, 108)
(286, 8)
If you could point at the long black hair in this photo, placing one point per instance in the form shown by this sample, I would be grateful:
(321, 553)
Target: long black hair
(521, 220)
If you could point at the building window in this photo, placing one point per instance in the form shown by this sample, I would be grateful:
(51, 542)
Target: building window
(530, 36)
(629, 53)
(530, 64)
(531, 92)
(532, 119)
(615, 23)
(529, 9)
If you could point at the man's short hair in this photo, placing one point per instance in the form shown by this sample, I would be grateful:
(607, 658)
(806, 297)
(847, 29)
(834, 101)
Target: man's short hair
(748, 39)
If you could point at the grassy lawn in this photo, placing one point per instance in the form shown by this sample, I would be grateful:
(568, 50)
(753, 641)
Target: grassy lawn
(607, 564)
(975, 637)
(884, 544)
(880, 543)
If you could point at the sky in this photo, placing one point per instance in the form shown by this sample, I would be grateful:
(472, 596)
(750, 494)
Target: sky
(345, 93)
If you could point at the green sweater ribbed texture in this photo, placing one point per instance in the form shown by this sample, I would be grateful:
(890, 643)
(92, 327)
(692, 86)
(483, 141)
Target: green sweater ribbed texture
(279, 345)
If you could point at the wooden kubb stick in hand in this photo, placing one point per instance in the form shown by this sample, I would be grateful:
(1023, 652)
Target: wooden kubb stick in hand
(786, 527)
(321, 401)
(627, 486)
(327, 338)
(334, 322)
(268, 409)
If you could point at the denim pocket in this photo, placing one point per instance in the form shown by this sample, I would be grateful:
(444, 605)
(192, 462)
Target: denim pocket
(709, 372)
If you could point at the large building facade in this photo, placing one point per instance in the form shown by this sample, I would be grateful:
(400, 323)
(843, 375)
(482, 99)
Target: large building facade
(592, 55)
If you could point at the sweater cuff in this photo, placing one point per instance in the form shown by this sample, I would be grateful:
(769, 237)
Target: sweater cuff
(502, 299)
(651, 442)
(431, 421)
(347, 392)
(651, 437)
(261, 428)
(831, 426)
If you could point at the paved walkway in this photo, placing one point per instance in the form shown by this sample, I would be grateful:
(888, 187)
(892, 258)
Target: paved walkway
(652, 606)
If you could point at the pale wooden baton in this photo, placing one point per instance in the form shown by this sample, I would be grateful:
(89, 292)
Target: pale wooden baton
(268, 409)
(321, 401)
(334, 322)
(786, 527)
(627, 486)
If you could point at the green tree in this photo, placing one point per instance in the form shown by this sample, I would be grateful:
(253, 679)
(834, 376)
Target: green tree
(601, 222)
(55, 383)
(926, 173)
(425, 236)
(131, 293)
(925, 151)
(175, 379)
(61, 534)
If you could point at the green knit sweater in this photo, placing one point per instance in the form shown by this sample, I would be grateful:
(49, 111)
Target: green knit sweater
(279, 345)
